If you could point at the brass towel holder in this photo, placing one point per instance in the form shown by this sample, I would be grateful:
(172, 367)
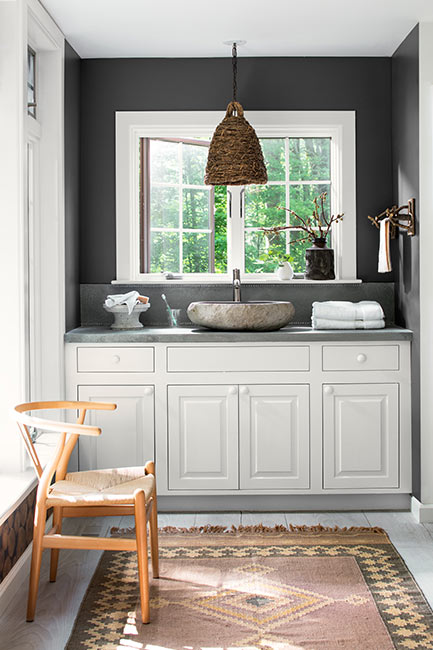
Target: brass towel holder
(405, 213)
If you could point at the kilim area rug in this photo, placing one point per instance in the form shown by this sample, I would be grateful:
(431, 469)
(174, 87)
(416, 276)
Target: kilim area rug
(256, 588)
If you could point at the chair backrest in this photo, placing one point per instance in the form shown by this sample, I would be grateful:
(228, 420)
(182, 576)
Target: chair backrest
(59, 463)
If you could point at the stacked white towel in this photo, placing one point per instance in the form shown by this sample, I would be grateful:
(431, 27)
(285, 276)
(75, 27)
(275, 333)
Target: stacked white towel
(344, 315)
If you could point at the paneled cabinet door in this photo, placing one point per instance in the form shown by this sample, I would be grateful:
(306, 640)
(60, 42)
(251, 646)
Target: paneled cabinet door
(361, 435)
(127, 437)
(274, 437)
(203, 437)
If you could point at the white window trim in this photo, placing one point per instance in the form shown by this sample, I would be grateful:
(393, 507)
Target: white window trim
(35, 325)
(130, 126)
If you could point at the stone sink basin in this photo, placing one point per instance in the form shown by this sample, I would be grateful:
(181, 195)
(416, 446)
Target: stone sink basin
(257, 316)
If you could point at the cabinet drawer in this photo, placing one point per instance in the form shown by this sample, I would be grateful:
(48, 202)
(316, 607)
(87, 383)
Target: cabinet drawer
(360, 357)
(242, 359)
(115, 359)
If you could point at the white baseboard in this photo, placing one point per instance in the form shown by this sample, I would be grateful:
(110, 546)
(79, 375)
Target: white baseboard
(423, 512)
(19, 572)
(10, 585)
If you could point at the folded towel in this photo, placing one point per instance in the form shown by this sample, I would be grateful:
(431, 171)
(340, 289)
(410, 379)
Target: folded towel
(129, 299)
(328, 324)
(384, 263)
(344, 310)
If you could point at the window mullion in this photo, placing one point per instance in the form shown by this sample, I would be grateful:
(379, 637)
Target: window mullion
(287, 152)
(180, 208)
(235, 234)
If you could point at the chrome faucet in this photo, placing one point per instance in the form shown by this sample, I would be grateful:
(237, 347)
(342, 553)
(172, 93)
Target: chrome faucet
(236, 285)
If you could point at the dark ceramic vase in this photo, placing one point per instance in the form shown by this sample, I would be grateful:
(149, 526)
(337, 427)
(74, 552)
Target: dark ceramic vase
(319, 261)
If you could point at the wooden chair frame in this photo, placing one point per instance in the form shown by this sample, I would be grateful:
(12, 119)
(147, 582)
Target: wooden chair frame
(53, 539)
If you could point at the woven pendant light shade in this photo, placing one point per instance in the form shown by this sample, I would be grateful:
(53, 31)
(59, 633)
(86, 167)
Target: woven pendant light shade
(235, 155)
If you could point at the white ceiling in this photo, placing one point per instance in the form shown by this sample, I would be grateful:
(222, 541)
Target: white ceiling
(197, 28)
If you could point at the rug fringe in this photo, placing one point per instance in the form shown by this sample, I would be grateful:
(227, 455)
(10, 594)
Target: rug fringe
(259, 528)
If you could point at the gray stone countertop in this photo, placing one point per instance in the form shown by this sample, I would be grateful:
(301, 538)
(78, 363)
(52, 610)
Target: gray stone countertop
(198, 335)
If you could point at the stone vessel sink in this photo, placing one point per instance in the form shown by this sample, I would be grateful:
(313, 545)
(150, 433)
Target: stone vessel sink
(258, 316)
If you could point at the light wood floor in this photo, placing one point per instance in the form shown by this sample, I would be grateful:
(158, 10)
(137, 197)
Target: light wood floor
(58, 603)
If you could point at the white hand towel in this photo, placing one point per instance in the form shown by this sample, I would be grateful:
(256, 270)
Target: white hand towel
(328, 324)
(129, 299)
(344, 310)
(384, 265)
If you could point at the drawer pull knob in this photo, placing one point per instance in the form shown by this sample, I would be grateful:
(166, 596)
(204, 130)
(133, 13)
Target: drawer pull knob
(328, 390)
(148, 390)
(244, 390)
(361, 358)
(116, 358)
(233, 390)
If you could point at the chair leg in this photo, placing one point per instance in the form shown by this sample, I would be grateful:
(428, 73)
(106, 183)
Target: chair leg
(35, 567)
(143, 570)
(153, 530)
(153, 523)
(54, 561)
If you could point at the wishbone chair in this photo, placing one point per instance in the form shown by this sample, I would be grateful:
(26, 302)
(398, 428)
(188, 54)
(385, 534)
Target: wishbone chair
(96, 493)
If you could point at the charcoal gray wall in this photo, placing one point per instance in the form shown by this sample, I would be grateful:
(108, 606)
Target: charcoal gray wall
(72, 186)
(405, 142)
(109, 85)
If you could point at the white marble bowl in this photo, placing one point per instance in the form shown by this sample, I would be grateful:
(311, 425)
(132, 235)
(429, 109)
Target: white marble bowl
(125, 321)
(257, 316)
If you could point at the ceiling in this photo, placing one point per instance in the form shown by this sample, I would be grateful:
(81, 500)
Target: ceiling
(197, 28)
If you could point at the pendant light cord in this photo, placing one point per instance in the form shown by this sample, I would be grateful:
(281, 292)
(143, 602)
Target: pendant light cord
(235, 70)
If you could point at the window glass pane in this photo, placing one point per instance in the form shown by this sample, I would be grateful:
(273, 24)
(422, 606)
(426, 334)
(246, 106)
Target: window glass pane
(257, 245)
(310, 159)
(275, 158)
(194, 159)
(301, 200)
(164, 252)
(164, 161)
(220, 217)
(195, 208)
(298, 246)
(164, 207)
(196, 252)
(262, 203)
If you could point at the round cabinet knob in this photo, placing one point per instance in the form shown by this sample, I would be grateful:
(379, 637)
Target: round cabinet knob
(244, 390)
(148, 390)
(361, 358)
(116, 358)
(233, 390)
(328, 390)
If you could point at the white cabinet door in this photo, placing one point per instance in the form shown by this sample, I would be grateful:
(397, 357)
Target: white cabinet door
(203, 437)
(127, 437)
(274, 437)
(361, 435)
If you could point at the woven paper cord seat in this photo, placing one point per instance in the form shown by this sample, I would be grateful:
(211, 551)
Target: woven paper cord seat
(98, 487)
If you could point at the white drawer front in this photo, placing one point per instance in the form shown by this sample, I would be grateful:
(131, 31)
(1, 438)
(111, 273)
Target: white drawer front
(115, 359)
(242, 359)
(360, 357)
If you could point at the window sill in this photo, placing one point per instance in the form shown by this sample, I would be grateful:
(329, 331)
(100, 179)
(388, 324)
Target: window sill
(13, 490)
(160, 280)
(16, 486)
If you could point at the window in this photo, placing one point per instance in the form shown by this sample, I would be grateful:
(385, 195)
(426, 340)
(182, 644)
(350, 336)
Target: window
(299, 169)
(183, 222)
(168, 221)
(31, 82)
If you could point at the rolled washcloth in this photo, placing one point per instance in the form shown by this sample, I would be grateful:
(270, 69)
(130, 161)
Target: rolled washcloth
(344, 315)
(129, 299)
(328, 324)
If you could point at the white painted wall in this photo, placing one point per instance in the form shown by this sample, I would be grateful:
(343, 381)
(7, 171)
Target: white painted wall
(426, 271)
